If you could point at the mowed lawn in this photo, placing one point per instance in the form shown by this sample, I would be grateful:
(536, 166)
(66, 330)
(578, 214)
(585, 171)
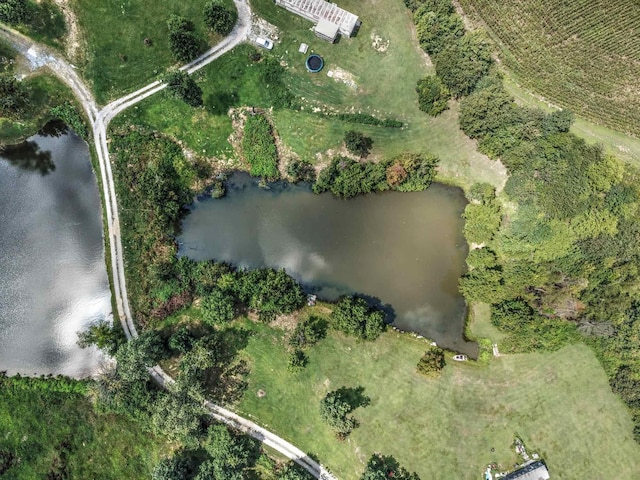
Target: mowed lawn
(117, 59)
(559, 403)
(384, 87)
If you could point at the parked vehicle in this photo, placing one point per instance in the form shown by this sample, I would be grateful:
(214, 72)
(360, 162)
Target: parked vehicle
(265, 43)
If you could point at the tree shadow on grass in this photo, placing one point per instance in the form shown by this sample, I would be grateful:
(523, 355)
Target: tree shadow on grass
(355, 397)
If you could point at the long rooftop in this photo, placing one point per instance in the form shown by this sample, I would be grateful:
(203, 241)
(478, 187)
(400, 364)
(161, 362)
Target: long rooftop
(316, 10)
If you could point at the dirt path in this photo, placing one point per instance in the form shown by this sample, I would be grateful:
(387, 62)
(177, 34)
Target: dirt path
(73, 41)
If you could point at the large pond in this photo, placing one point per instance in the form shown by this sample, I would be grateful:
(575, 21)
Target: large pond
(404, 250)
(53, 279)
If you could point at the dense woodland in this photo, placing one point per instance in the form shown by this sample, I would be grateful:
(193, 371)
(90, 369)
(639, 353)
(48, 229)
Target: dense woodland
(558, 252)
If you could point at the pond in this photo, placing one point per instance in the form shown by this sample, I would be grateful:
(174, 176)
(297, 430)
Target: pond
(54, 280)
(403, 250)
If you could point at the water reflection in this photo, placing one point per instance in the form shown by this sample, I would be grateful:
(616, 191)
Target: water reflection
(28, 156)
(54, 280)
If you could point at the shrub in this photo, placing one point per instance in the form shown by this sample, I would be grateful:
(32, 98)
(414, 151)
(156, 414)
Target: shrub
(270, 292)
(432, 363)
(301, 171)
(13, 96)
(259, 147)
(68, 113)
(219, 18)
(367, 119)
(346, 178)
(432, 95)
(217, 308)
(482, 221)
(308, 332)
(297, 360)
(357, 143)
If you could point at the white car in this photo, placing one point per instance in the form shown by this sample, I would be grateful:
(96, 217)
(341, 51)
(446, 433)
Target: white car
(265, 43)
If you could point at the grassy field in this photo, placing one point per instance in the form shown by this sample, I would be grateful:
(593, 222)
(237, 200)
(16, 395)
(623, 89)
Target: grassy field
(118, 60)
(50, 431)
(583, 54)
(386, 91)
(560, 404)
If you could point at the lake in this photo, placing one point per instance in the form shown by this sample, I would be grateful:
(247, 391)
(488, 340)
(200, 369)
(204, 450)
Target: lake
(403, 250)
(54, 280)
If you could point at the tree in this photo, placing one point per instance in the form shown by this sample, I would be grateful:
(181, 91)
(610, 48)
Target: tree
(178, 416)
(558, 121)
(334, 410)
(432, 362)
(13, 12)
(381, 467)
(181, 85)
(231, 453)
(103, 336)
(462, 64)
(218, 308)
(182, 340)
(13, 96)
(293, 471)
(297, 360)
(270, 292)
(433, 95)
(308, 332)
(172, 468)
(353, 316)
(219, 18)
(183, 42)
(336, 405)
(357, 143)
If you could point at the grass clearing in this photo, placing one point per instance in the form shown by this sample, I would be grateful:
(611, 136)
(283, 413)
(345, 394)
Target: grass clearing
(48, 430)
(559, 403)
(583, 54)
(385, 87)
(118, 60)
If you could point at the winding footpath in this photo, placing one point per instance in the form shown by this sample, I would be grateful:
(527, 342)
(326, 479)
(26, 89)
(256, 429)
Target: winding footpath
(40, 56)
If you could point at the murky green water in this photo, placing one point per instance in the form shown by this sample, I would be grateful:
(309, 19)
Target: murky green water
(405, 250)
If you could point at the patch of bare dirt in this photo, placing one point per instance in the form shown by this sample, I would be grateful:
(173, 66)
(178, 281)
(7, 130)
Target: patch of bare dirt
(74, 41)
(261, 28)
(342, 76)
(378, 43)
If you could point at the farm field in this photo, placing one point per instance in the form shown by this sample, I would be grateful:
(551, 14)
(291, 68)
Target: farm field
(234, 81)
(583, 55)
(444, 428)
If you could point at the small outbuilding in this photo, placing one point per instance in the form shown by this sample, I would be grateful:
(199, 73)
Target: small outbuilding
(326, 30)
(531, 471)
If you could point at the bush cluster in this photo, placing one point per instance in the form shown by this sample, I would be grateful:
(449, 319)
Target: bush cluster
(353, 316)
(346, 178)
(259, 147)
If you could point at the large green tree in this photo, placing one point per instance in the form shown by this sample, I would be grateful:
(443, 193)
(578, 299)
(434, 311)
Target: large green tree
(184, 43)
(382, 467)
(181, 85)
(218, 17)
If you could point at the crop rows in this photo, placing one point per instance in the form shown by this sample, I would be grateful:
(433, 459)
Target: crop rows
(583, 54)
